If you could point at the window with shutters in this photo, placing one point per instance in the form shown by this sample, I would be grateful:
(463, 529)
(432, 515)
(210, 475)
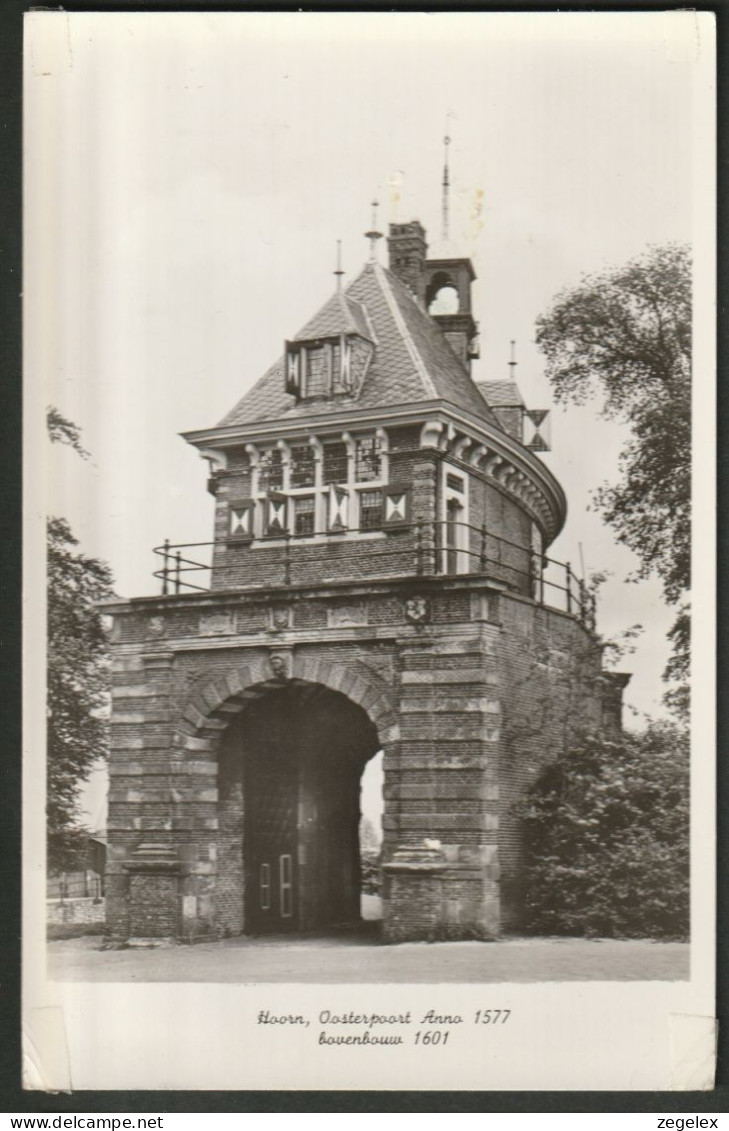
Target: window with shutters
(304, 515)
(370, 510)
(324, 486)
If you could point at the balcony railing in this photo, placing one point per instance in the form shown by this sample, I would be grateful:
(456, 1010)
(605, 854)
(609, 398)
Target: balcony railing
(424, 549)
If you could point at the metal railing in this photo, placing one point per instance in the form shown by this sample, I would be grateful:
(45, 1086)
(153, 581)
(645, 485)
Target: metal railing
(441, 549)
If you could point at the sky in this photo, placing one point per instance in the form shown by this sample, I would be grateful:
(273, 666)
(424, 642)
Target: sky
(188, 176)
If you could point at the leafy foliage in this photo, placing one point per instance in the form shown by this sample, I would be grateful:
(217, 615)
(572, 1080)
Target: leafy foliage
(607, 838)
(77, 674)
(63, 431)
(626, 335)
(370, 872)
(77, 683)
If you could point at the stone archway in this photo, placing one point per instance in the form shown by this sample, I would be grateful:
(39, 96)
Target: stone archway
(290, 752)
(209, 709)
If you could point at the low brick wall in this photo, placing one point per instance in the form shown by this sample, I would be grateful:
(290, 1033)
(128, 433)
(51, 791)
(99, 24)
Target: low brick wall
(75, 910)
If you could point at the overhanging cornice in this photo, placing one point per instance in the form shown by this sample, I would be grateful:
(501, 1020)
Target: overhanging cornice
(450, 416)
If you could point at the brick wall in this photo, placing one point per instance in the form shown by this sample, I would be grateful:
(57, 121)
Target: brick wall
(470, 702)
(389, 553)
(81, 910)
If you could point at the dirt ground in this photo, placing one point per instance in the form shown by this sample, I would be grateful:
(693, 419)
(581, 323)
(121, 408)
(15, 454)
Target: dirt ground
(361, 958)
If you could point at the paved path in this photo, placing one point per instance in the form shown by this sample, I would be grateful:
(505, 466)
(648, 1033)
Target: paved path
(361, 959)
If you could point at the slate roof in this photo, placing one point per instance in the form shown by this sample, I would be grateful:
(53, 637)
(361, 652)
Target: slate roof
(340, 315)
(500, 394)
(412, 360)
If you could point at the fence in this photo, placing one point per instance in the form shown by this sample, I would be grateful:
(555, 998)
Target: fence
(416, 549)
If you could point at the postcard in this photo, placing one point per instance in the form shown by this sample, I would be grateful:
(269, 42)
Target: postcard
(369, 378)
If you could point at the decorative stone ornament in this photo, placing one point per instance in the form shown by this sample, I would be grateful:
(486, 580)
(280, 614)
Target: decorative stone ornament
(417, 610)
(280, 664)
(396, 505)
(280, 617)
(217, 624)
(338, 507)
(240, 520)
(276, 513)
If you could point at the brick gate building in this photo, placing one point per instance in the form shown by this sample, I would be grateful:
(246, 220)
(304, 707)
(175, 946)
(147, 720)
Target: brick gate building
(378, 580)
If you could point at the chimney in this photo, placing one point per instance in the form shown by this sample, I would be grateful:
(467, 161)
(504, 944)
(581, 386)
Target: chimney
(407, 250)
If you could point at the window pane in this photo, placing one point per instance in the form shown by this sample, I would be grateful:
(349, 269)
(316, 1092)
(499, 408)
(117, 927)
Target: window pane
(304, 515)
(270, 471)
(302, 467)
(368, 459)
(316, 373)
(370, 510)
(337, 385)
(335, 463)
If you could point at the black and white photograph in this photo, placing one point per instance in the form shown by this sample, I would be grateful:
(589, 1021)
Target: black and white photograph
(369, 377)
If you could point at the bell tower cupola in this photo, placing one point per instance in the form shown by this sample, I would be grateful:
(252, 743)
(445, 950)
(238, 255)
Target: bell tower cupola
(448, 301)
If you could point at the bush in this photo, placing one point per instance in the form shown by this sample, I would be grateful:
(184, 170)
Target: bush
(607, 839)
(370, 873)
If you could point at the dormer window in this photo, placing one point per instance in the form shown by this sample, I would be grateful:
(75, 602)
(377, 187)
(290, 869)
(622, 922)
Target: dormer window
(316, 377)
(327, 367)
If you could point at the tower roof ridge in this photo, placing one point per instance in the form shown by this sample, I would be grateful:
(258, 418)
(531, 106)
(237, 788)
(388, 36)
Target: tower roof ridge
(412, 360)
(385, 283)
(341, 313)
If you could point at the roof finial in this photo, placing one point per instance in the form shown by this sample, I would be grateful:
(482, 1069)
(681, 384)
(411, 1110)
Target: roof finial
(446, 183)
(513, 361)
(339, 272)
(373, 235)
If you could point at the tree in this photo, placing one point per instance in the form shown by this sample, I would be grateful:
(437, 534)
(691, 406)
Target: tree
(607, 838)
(63, 431)
(626, 335)
(77, 674)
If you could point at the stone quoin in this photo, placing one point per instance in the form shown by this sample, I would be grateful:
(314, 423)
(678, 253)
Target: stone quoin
(378, 580)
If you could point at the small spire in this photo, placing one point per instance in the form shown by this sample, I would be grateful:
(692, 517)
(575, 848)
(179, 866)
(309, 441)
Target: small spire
(513, 361)
(446, 185)
(339, 272)
(373, 235)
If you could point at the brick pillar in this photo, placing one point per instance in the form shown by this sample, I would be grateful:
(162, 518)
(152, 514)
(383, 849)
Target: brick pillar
(139, 766)
(424, 481)
(154, 893)
(413, 890)
(443, 792)
(162, 802)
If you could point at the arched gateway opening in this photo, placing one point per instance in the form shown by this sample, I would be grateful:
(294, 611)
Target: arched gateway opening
(290, 770)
